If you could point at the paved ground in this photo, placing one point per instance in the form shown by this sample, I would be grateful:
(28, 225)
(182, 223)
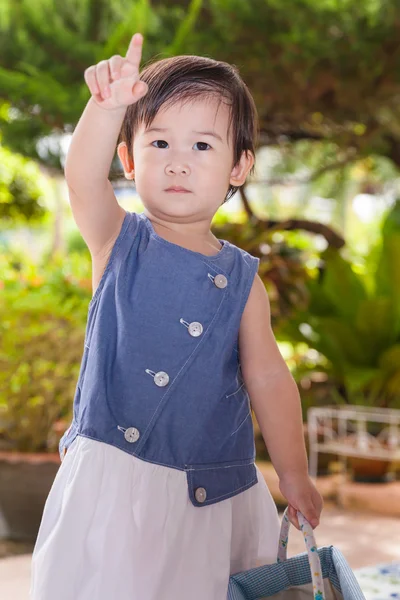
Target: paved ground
(364, 539)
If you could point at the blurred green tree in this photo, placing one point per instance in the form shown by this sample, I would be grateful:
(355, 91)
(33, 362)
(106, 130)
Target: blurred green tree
(319, 71)
(20, 190)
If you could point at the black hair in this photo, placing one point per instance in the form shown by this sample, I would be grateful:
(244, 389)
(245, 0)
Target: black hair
(185, 78)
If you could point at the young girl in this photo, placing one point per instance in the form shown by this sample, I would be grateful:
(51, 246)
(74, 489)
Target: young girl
(158, 496)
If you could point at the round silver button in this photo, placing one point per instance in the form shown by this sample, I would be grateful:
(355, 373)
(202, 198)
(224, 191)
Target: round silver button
(161, 379)
(200, 495)
(220, 281)
(195, 329)
(132, 435)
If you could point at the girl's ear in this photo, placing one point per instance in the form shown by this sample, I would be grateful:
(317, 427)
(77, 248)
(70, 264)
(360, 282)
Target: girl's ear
(127, 162)
(242, 168)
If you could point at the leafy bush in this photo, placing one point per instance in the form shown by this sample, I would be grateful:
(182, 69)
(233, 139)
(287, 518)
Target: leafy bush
(353, 320)
(42, 321)
(282, 267)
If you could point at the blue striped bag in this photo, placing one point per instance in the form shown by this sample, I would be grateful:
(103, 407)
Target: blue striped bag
(318, 574)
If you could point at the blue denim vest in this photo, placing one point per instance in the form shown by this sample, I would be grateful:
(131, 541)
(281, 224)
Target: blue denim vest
(160, 376)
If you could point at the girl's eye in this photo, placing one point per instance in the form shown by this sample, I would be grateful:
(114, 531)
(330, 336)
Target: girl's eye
(201, 145)
(160, 142)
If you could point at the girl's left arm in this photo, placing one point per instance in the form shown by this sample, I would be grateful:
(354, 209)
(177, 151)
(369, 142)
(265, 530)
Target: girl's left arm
(276, 403)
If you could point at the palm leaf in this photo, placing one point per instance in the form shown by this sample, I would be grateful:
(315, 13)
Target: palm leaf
(342, 287)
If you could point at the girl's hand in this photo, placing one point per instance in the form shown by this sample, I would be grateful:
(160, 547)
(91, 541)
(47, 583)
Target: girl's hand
(115, 83)
(302, 495)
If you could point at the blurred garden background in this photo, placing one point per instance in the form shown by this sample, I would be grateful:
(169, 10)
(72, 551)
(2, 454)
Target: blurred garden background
(322, 210)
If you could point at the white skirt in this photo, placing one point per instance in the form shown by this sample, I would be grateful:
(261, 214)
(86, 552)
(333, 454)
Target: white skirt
(117, 527)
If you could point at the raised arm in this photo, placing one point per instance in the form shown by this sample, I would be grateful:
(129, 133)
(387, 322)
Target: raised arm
(114, 85)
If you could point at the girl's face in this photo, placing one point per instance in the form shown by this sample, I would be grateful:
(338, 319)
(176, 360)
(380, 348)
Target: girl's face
(187, 146)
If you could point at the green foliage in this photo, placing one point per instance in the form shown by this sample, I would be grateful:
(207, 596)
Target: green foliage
(42, 322)
(21, 189)
(45, 48)
(185, 28)
(281, 267)
(323, 74)
(355, 328)
(322, 70)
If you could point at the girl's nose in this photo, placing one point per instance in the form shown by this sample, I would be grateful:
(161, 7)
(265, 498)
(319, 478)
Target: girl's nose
(177, 168)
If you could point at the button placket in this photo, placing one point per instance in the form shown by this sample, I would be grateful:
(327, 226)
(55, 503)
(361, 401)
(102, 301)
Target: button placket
(220, 281)
(131, 434)
(161, 378)
(200, 495)
(195, 328)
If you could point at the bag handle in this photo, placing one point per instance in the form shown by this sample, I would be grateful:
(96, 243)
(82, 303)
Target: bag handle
(312, 551)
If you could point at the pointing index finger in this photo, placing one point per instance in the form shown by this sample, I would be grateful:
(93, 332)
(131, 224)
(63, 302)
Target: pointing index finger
(134, 52)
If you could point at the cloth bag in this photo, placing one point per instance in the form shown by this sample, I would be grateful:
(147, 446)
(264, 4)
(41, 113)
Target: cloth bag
(318, 574)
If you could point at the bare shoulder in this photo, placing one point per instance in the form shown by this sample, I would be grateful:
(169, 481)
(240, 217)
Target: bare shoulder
(257, 310)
